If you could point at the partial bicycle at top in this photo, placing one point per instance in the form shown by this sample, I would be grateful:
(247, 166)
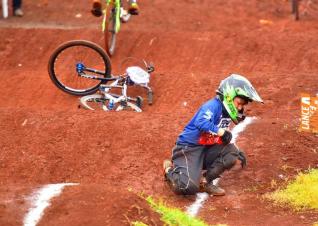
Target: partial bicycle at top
(113, 14)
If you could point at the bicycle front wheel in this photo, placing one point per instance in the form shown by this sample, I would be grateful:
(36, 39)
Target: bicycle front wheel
(63, 67)
(110, 30)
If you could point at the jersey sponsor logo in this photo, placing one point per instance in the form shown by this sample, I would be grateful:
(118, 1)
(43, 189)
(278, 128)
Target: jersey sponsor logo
(309, 113)
(224, 123)
(208, 115)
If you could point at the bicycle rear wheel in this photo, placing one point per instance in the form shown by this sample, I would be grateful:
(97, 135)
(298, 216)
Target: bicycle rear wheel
(110, 30)
(63, 63)
(98, 101)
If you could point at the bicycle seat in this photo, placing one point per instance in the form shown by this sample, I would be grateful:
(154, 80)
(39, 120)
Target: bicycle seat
(138, 75)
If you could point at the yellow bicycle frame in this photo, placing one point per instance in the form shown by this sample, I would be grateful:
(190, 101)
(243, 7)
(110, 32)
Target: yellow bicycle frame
(110, 3)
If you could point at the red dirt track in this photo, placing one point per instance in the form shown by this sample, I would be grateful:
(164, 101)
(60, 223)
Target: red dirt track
(46, 139)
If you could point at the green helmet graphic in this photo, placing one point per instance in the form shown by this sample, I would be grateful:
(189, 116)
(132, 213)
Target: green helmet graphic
(233, 86)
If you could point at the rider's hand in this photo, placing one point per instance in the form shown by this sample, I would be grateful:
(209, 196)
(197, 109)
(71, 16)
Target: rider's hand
(227, 137)
(242, 158)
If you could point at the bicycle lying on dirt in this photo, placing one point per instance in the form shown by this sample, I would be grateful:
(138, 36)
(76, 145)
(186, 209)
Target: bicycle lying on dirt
(113, 15)
(111, 101)
(82, 68)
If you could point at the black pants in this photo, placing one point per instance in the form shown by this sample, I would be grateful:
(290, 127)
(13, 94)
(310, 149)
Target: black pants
(188, 162)
(16, 4)
(219, 158)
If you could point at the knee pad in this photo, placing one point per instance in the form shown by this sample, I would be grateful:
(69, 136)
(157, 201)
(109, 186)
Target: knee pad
(229, 160)
(189, 190)
(214, 172)
(182, 185)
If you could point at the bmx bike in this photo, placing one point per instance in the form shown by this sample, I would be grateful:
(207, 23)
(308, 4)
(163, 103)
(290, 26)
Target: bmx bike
(110, 101)
(82, 68)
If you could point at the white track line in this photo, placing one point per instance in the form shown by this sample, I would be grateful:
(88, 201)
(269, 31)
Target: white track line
(194, 208)
(40, 200)
(240, 127)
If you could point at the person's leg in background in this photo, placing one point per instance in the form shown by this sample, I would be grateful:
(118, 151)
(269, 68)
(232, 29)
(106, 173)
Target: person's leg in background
(17, 10)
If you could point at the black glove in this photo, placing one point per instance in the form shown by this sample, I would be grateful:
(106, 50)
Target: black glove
(242, 158)
(227, 137)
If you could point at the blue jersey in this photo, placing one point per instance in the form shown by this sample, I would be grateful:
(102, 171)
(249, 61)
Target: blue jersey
(209, 118)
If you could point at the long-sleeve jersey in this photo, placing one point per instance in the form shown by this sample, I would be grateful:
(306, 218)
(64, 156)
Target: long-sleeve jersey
(209, 118)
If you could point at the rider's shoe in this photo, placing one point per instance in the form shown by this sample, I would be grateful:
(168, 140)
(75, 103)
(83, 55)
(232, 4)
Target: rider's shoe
(97, 8)
(133, 8)
(214, 189)
(167, 166)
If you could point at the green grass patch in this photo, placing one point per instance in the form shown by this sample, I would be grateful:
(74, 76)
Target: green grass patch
(174, 216)
(300, 194)
(138, 223)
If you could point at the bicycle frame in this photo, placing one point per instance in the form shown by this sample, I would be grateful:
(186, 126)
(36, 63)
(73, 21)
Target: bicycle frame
(117, 5)
(123, 97)
(81, 71)
(115, 98)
